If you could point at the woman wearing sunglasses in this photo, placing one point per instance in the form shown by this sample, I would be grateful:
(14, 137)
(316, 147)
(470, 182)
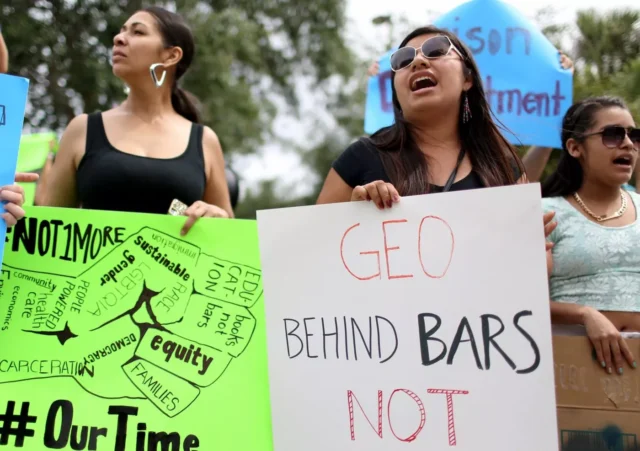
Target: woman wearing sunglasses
(595, 280)
(536, 158)
(443, 138)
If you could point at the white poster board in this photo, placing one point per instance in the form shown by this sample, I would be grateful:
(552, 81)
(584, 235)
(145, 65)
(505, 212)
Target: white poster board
(356, 333)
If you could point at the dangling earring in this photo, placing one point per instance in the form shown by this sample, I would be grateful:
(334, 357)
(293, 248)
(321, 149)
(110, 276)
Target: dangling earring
(466, 112)
(126, 89)
(152, 69)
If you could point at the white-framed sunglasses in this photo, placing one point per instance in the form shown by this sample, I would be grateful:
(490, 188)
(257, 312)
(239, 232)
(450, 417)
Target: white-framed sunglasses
(433, 48)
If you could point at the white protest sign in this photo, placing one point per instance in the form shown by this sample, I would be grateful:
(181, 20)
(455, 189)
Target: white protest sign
(426, 326)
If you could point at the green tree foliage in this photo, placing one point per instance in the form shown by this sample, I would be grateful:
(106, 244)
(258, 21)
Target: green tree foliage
(608, 56)
(606, 52)
(269, 194)
(248, 53)
(607, 43)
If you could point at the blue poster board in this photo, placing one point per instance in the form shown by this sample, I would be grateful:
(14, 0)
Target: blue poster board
(13, 101)
(528, 90)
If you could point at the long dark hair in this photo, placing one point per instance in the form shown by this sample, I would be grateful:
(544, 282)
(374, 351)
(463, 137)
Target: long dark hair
(567, 178)
(176, 33)
(493, 158)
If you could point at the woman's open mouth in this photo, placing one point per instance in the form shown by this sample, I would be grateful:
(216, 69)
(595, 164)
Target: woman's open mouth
(423, 83)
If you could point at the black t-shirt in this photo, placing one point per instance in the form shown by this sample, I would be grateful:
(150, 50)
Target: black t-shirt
(360, 164)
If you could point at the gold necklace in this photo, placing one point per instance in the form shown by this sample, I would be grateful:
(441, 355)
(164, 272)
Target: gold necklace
(615, 215)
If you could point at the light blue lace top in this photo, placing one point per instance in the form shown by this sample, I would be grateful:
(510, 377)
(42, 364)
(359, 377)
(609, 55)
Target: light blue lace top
(594, 265)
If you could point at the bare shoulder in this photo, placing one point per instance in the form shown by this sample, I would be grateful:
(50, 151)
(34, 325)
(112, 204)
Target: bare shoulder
(77, 126)
(210, 138)
(211, 143)
(74, 138)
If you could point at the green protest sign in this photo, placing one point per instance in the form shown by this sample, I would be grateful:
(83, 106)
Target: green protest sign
(34, 149)
(118, 334)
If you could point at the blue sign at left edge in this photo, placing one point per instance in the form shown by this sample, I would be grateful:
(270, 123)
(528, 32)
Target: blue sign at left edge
(13, 102)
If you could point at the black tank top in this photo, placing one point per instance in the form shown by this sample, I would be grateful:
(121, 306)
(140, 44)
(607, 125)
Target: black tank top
(109, 179)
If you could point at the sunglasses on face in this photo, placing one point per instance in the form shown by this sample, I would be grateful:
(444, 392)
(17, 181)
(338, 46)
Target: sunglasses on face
(613, 136)
(433, 48)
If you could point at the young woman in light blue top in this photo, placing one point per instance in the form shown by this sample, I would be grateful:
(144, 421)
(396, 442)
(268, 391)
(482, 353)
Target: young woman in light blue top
(595, 280)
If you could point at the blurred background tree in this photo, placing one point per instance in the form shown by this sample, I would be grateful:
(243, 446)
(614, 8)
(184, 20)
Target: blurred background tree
(249, 53)
(250, 59)
(605, 48)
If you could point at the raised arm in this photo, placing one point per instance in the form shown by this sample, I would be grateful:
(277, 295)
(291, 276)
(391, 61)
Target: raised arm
(4, 56)
(535, 160)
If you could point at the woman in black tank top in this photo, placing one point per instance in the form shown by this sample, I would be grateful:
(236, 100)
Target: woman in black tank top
(150, 150)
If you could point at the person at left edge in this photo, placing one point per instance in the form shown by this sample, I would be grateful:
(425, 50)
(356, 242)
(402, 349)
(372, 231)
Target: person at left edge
(13, 195)
(4, 55)
(133, 157)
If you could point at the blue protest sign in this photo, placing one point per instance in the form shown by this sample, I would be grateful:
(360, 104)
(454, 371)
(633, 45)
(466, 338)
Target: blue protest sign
(13, 101)
(379, 108)
(528, 90)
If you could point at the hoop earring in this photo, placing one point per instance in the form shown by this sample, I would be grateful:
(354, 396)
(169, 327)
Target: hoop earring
(154, 77)
(466, 112)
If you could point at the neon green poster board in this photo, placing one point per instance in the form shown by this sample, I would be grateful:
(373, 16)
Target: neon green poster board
(118, 334)
(29, 193)
(34, 149)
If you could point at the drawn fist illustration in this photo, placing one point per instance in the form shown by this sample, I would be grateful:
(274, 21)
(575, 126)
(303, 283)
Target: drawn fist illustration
(154, 318)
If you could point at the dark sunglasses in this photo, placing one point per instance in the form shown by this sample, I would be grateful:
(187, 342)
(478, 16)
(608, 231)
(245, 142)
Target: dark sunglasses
(613, 136)
(433, 48)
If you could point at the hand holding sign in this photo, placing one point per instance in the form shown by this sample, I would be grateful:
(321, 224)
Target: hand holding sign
(416, 339)
(374, 69)
(14, 197)
(382, 194)
(611, 349)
